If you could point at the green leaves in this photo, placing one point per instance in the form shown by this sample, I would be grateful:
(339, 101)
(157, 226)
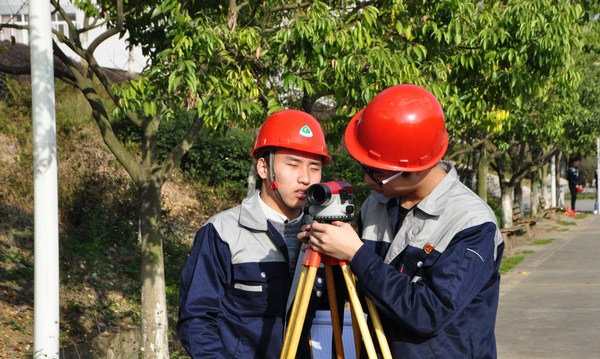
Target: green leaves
(487, 62)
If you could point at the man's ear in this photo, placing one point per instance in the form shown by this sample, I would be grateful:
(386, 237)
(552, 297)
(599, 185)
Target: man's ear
(262, 168)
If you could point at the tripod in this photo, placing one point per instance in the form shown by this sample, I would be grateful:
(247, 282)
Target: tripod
(310, 263)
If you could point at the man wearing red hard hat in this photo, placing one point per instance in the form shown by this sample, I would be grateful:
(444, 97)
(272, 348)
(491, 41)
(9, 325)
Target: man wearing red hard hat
(237, 280)
(429, 248)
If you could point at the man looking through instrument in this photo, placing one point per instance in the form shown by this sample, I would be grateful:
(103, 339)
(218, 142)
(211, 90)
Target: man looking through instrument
(236, 282)
(429, 248)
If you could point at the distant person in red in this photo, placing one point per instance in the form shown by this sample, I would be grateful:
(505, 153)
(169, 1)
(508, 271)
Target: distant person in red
(573, 179)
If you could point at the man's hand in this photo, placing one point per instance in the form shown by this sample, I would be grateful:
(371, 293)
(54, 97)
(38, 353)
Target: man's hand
(337, 240)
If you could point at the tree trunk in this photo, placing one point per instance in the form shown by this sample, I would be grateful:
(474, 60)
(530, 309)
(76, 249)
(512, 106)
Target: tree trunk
(482, 173)
(251, 180)
(544, 193)
(506, 206)
(533, 198)
(154, 303)
(518, 197)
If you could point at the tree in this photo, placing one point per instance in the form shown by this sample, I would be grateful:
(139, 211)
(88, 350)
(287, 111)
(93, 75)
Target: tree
(516, 55)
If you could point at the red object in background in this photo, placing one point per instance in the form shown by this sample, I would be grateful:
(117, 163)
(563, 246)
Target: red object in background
(579, 188)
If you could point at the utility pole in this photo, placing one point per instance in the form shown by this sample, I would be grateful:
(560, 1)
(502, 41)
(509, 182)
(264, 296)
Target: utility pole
(46, 328)
(553, 181)
(597, 203)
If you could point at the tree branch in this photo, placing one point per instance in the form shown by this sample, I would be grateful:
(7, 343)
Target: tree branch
(182, 148)
(86, 86)
(109, 32)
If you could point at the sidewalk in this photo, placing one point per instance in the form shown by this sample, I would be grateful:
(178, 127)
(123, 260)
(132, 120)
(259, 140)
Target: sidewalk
(550, 304)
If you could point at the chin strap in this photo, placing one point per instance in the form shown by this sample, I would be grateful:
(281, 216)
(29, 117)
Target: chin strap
(272, 181)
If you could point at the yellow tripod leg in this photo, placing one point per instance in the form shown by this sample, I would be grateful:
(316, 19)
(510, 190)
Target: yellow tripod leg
(298, 322)
(335, 318)
(358, 311)
(310, 262)
(383, 344)
(294, 312)
(356, 333)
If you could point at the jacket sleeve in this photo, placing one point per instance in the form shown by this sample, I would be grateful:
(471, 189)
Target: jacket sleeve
(427, 306)
(572, 178)
(203, 280)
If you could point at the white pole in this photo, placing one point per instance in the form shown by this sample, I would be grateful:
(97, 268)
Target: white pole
(597, 204)
(553, 181)
(46, 285)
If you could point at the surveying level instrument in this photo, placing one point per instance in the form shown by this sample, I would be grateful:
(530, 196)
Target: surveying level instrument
(310, 263)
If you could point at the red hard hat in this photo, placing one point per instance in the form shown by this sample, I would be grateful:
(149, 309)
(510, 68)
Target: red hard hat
(293, 129)
(401, 129)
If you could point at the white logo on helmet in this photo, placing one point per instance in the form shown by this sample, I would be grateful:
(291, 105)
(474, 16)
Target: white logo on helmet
(305, 131)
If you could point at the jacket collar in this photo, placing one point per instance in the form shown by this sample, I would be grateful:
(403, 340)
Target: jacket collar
(435, 203)
(251, 214)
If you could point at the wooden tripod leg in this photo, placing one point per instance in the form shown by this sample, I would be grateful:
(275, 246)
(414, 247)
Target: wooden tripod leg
(356, 333)
(335, 317)
(358, 311)
(310, 263)
(294, 311)
(383, 344)
(298, 322)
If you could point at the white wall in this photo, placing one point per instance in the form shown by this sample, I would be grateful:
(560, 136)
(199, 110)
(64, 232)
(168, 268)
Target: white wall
(112, 53)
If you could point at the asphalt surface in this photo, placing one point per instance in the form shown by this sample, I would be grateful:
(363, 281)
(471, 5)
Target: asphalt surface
(550, 303)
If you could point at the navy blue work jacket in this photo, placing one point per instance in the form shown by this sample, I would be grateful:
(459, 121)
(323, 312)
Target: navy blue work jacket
(435, 282)
(235, 287)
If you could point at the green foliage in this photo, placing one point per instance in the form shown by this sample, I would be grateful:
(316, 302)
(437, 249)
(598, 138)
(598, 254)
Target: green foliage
(15, 266)
(72, 111)
(217, 158)
(101, 221)
(15, 106)
(99, 252)
(220, 157)
(210, 70)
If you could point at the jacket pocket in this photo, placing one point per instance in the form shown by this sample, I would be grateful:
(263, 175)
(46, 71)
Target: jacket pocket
(259, 291)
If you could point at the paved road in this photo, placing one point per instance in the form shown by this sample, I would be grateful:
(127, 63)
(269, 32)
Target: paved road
(550, 303)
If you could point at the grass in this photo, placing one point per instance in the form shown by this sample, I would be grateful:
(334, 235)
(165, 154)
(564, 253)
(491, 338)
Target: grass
(510, 262)
(584, 195)
(541, 242)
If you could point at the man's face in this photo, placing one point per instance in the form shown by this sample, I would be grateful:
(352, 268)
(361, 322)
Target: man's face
(294, 171)
(397, 186)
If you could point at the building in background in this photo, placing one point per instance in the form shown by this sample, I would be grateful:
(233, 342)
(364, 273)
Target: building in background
(112, 53)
